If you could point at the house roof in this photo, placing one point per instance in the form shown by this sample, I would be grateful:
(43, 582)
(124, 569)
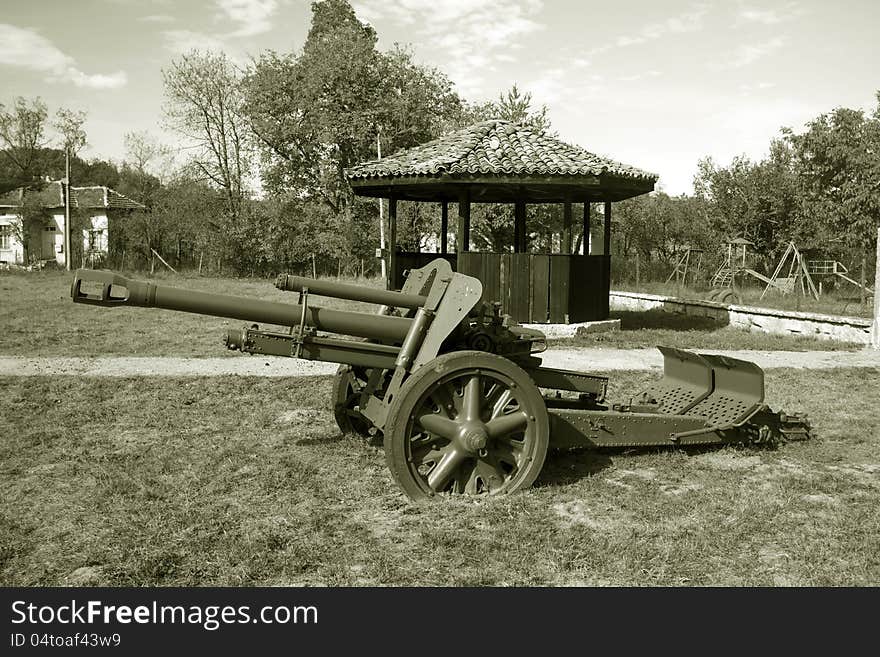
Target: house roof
(51, 195)
(497, 152)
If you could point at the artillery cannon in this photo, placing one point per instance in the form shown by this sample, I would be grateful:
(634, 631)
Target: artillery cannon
(457, 390)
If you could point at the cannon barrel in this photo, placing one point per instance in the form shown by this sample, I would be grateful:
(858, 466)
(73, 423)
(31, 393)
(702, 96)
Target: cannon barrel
(117, 290)
(350, 292)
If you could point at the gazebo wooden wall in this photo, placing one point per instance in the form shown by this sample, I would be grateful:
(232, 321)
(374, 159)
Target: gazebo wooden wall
(532, 287)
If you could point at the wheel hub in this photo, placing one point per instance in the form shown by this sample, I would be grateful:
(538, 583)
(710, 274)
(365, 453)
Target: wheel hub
(473, 437)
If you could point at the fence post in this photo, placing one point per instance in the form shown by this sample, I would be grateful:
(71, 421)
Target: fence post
(637, 269)
(875, 330)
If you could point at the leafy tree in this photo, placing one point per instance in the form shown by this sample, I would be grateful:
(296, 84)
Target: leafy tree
(145, 161)
(417, 103)
(31, 219)
(70, 126)
(838, 159)
(512, 105)
(203, 104)
(22, 135)
(315, 113)
(320, 111)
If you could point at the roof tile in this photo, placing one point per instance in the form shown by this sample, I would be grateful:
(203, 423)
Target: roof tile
(495, 147)
(51, 196)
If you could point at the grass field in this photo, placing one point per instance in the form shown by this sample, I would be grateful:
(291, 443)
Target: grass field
(37, 317)
(248, 481)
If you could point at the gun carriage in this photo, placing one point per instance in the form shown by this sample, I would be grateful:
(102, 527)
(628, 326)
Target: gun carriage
(457, 390)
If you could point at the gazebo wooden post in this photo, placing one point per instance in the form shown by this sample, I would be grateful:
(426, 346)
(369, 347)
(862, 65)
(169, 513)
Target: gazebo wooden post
(566, 228)
(463, 239)
(606, 238)
(586, 237)
(444, 226)
(392, 242)
(519, 227)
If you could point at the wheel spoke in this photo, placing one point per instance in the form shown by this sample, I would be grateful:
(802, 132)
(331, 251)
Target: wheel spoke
(505, 453)
(472, 398)
(490, 475)
(426, 453)
(445, 469)
(439, 425)
(503, 426)
(501, 403)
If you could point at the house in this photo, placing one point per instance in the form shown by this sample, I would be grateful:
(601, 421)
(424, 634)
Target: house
(100, 205)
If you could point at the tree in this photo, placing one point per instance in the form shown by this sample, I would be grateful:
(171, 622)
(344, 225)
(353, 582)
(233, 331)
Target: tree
(147, 163)
(70, 126)
(22, 135)
(320, 111)
(204, 103)
(512, 106)
(31, 218)
(417, 103)
(146, 155)
(838, 159)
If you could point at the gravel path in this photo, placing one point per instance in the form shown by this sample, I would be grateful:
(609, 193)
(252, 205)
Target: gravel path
(589, 360)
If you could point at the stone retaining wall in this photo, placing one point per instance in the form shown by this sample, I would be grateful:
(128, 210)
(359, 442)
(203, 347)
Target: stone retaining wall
(768, 320)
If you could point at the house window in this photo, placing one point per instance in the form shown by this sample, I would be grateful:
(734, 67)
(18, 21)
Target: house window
(94, 238)
(5, 237)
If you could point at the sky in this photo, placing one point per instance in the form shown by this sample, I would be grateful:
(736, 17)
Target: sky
(657, 84)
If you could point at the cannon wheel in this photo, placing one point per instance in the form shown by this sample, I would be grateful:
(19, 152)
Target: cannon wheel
(347, 385)
(466, 423)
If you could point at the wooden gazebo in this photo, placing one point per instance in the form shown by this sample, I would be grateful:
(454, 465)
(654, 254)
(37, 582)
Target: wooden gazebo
(502, 162)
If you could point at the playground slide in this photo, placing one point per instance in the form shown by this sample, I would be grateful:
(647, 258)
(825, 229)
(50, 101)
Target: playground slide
(759, 276)
(856, 283)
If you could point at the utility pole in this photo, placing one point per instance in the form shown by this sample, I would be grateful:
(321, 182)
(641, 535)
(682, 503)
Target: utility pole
(67, 249)
(381, 208)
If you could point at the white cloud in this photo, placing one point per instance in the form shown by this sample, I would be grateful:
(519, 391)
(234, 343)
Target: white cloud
(748, 88)
(25, 48)
(765, 16)
(252, 16)
(558, 88)
(184, 41)
(688, 21)
(157, 18)
(249, 18)
(748, 126)
(474, 35)
(98, 80)
(640, 76)
(749, 53)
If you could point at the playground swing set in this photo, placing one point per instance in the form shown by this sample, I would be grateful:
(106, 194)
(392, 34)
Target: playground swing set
(796, 276)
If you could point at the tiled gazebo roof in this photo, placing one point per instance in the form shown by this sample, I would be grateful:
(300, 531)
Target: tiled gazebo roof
(499, 154)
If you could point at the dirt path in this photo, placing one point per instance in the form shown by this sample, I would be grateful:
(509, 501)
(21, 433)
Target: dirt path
(598, 360)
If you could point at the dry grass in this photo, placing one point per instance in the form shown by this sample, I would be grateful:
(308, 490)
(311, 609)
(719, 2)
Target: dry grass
(38, 318)
(247, 481)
